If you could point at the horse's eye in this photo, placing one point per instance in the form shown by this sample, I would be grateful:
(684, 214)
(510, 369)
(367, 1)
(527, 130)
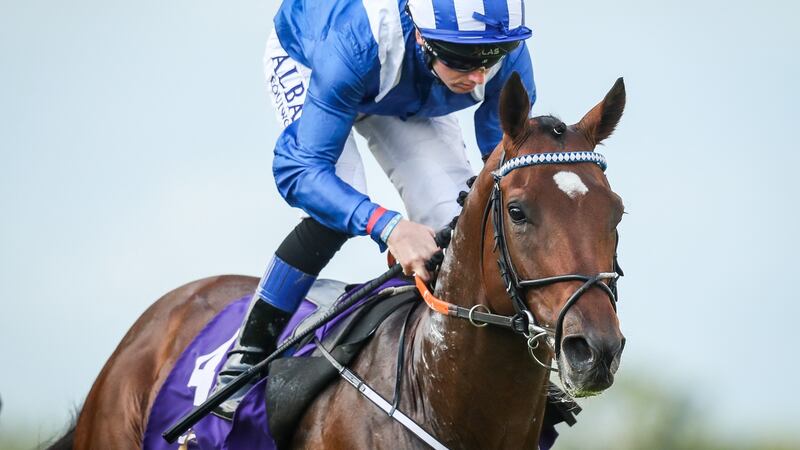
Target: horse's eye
(516, 214)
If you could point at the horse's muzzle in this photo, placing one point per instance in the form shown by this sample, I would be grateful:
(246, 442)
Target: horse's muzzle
(587, 364)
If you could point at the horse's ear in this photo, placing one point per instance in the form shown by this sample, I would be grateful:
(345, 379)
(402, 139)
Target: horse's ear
(515, 105)
(600, 122)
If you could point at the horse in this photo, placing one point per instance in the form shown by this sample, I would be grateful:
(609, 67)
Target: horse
(470, 386)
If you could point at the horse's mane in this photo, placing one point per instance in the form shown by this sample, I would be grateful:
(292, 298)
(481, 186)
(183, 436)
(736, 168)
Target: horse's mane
(66, 441)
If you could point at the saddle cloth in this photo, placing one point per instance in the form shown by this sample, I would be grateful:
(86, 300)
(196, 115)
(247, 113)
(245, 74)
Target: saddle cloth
(193, 376)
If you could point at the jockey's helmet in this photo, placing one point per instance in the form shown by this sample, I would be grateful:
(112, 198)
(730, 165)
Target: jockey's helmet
(468, 34)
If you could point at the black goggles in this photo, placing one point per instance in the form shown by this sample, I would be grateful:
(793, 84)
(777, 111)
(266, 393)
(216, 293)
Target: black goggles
(467, 58)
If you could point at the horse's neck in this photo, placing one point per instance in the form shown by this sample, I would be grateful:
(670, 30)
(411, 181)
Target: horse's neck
(475, 385)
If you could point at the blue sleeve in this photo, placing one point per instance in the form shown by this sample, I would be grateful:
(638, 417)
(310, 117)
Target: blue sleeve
(487, 117)
(308, 149)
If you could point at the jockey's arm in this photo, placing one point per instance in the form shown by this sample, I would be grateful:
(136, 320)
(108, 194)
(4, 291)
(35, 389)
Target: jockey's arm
(308, 149)
(305, 163)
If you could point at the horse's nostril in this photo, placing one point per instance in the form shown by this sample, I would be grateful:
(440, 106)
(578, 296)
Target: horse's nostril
(578, 352)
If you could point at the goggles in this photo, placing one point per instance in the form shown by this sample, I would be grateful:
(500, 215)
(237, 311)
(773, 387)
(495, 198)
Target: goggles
(467, 58)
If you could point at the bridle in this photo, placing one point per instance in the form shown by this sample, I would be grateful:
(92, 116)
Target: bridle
(515, 286)
(523, 321)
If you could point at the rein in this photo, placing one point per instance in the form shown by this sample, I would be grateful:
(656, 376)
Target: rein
(524, 322)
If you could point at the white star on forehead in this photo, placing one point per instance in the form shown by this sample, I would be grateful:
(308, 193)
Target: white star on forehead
(570, 183)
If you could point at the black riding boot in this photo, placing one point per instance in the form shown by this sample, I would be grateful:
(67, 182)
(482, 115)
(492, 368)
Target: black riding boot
(257, 339)
(292, 271)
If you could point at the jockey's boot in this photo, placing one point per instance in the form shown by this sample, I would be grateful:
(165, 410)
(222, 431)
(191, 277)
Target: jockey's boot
(279, 293)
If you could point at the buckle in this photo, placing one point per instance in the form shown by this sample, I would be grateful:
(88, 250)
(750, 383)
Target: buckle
(520, 323)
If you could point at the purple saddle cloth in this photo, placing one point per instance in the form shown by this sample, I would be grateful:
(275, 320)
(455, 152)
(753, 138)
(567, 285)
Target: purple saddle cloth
(193, 376)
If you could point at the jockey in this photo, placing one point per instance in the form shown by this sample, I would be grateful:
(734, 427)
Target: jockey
(395, 71)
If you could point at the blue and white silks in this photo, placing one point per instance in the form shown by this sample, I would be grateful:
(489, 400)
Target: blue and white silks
(364, 61)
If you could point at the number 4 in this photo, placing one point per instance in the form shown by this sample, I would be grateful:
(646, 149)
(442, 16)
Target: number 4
(204, 371)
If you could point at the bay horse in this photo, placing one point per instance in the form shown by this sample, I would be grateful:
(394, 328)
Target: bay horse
(469, 387)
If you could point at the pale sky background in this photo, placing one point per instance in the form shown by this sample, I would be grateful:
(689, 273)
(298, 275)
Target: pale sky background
(135, 156)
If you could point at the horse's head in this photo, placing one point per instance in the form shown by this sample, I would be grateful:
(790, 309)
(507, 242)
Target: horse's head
(559, 219)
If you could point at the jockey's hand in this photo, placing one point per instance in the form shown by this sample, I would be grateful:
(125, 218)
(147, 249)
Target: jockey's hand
(412, 245)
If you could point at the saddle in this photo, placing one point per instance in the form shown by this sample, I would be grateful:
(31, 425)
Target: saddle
(296, 380)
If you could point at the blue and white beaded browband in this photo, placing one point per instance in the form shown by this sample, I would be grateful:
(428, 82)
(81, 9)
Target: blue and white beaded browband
(537, 159)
